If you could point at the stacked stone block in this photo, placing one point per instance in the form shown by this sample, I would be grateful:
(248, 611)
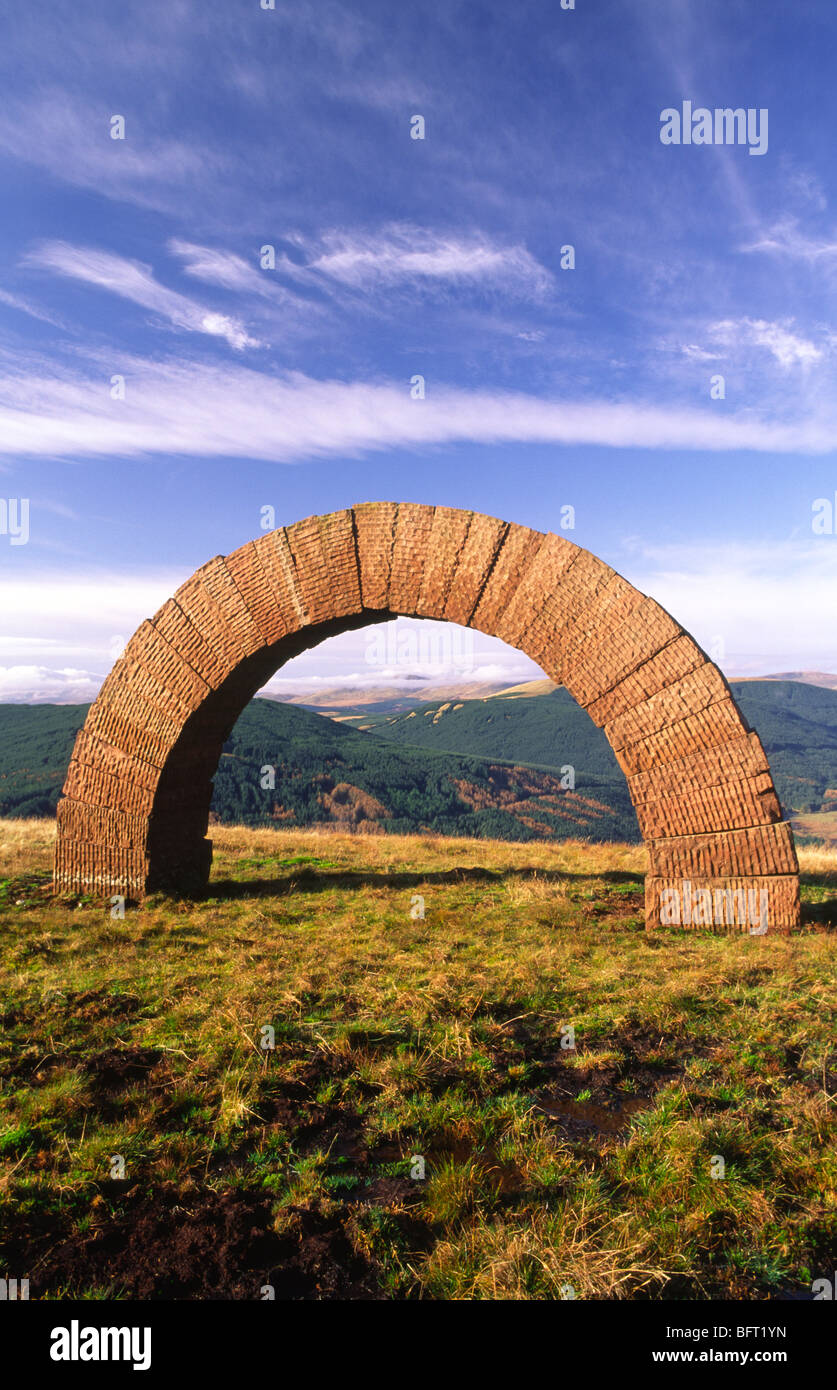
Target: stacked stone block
(134, 812)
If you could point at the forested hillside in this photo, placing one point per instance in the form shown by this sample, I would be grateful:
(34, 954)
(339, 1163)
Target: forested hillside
(35, 746)
(493, 767)
(328, 774)
(546, 730)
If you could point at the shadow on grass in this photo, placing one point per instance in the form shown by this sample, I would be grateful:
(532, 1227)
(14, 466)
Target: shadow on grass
(822, 914)
(819, 880)
(824, 911)
(311, 881)
(308, 880)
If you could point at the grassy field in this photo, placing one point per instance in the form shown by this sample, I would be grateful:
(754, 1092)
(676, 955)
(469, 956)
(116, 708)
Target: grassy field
(406, 1044)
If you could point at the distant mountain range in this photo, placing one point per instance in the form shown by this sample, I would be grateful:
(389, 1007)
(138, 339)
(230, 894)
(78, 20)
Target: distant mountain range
(501, 765)
(350, 702)
(806, 677)
(404, 697)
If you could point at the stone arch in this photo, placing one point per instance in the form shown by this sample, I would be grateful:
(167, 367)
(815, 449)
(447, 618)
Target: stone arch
(136, 801)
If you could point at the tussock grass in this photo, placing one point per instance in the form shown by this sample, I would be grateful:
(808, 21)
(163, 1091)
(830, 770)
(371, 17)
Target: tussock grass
(549, 1172)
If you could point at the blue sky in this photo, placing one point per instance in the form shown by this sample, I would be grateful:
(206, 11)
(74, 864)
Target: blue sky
(397, 257)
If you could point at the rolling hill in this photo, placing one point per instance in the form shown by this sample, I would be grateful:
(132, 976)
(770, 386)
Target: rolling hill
(797, 723)
(548, 730)
(493, 766)
(326, 774)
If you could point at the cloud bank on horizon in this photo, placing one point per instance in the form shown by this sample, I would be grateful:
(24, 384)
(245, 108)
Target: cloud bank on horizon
(435, 252)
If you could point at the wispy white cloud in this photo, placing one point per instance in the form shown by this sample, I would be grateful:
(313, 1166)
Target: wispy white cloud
(24, 306)
(134, 281)
(766, 605)
(198, 409)
(699, 354)
(402, 254)
(70, 139)
(78, 621)
(786, 239)
(62, 633)
(224, 268)
(788, 349)
(399, 256)
(97, 613)
(279, 303)
(34, 685)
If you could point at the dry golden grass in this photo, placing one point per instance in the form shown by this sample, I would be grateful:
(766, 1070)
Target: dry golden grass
(550, 1172)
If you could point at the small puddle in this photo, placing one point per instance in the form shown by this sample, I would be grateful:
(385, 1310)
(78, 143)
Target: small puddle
(589, 1115)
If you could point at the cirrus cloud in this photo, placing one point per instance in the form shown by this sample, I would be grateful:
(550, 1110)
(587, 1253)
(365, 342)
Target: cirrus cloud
(189, 408)
(403, 254)
(135, 281)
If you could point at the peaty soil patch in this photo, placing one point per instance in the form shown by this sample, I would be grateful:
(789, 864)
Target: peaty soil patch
(207, 1245)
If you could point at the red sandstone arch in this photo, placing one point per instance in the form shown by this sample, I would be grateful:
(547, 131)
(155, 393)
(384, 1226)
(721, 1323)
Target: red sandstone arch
(136, 800)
